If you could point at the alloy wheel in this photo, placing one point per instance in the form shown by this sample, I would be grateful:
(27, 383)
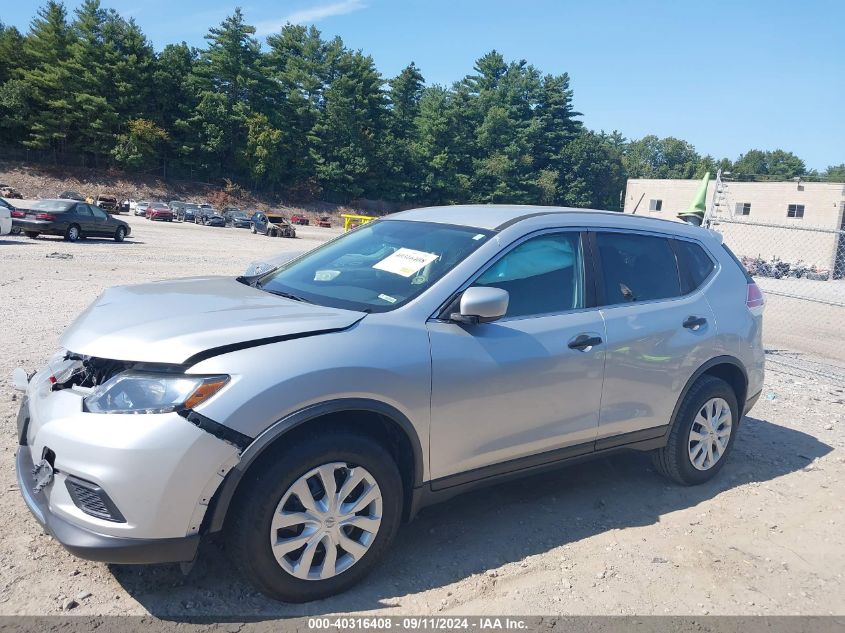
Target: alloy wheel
(326, 521)
(710, 434)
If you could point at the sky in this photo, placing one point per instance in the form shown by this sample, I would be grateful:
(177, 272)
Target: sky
(725, 76)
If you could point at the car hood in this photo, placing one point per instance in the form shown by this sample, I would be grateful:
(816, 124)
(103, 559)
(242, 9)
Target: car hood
(172, 321)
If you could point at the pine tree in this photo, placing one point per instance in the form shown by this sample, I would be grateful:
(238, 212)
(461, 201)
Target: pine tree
(403, 169)
(47, 78)
(349, 127)
(230, 85)
(172, 104)
(435, 147)
(591, 173)
(14, 92)
(94, 120)
(130, 62)
(12, 55)
(300, 62)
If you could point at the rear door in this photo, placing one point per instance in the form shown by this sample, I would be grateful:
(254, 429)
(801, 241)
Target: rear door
(660, 330)
(514, 393)
(81, 214)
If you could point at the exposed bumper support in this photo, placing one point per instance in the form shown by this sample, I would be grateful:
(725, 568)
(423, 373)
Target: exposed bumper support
(91, 545)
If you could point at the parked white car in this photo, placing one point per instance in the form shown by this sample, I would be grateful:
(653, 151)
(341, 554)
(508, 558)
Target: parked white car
(138, 208)
(5, 221)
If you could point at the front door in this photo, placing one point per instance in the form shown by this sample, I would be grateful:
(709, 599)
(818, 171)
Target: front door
(513, 393)
(102, 226)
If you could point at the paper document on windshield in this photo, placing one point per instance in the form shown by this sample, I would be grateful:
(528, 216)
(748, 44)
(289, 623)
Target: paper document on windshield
(405, 261)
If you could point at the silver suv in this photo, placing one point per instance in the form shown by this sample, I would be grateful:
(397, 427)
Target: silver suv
(305, 412)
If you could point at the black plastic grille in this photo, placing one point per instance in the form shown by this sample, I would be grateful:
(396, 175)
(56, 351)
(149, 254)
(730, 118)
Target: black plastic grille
(93, 500)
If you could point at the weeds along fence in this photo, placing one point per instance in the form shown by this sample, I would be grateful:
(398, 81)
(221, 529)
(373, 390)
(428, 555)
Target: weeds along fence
(801, 269)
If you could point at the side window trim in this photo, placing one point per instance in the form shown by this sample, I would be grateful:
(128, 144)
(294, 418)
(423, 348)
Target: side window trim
(684, 275)
(451, 305)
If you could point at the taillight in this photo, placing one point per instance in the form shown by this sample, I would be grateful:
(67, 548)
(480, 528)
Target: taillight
(45, 216)
(18, 214)
(754, 299)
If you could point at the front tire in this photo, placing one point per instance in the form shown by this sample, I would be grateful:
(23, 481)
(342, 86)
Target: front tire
(119, 234)
(702, 434)
(316, 519)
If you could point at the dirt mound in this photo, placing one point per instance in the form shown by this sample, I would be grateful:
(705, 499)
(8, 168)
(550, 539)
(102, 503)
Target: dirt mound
(45, 181)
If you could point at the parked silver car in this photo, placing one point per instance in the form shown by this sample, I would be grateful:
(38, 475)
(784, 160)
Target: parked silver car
(308, 410)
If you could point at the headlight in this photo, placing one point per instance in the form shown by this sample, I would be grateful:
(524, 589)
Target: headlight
(149, 392)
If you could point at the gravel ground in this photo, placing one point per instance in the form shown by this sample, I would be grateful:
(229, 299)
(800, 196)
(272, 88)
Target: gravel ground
(606, 537)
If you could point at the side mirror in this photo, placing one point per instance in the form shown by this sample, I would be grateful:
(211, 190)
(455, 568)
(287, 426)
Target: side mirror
(263, 266)
(481, 305)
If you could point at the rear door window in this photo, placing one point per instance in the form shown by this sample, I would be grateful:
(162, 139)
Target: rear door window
(83, 210)
(637, 268)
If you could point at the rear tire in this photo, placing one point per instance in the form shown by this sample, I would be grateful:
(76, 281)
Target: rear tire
(260, 496)
(675, 459)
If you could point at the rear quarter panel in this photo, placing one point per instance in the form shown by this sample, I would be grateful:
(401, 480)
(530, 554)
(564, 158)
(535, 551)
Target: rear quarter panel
(740, 333)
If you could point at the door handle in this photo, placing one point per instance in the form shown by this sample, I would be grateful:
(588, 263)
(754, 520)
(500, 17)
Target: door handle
(693, 322)
(584, 342)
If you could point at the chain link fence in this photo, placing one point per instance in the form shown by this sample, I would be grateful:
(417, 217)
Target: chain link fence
(801, 270)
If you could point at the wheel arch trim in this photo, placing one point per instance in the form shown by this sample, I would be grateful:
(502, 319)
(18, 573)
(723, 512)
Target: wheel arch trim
(703, 369)
(285, 425)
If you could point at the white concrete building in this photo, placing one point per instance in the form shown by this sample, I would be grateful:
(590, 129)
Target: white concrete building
(789, 220)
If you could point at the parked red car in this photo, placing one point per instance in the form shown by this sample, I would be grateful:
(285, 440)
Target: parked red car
(324, 222)
(159, 211)
(299, 219)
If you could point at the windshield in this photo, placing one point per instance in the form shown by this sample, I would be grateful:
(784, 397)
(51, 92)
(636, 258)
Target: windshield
(376, 267)
(237, 214)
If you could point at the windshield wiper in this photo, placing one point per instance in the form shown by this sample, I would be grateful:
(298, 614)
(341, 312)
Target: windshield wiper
(286, 295)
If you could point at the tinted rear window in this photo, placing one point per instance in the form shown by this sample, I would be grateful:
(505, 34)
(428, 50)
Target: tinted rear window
(695, 264)
(637, 268)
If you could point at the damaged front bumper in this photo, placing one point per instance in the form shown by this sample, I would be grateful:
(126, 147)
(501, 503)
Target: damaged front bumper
(125, 488)
(85, 543)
